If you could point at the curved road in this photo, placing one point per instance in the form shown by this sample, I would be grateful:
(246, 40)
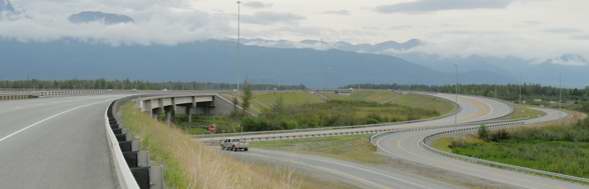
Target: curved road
(55, 143)
(405, 146)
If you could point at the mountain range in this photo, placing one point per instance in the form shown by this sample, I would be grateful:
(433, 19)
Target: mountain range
(6, 7)
(217, 61)
(100, 17)
(473, 68)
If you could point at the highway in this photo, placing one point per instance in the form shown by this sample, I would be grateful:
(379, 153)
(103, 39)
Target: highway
(55, 143)
(405, 147)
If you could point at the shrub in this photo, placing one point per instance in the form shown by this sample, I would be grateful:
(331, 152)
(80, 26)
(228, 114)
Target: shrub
(483, 132)
(499, 135)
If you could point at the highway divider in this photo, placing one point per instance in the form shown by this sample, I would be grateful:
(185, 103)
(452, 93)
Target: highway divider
(131, 166)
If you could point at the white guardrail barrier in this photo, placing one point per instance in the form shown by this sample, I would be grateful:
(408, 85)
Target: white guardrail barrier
(125, 178)
(427, 144)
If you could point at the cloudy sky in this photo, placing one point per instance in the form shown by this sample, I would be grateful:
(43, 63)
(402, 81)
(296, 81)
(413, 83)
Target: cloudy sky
(525, 28)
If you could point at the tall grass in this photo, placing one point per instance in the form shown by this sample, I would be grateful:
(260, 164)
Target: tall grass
(190, 164)
(333, 113)
(561, 149)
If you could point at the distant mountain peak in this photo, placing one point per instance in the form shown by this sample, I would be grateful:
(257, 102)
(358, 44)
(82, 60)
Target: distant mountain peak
(100, 17)
(387, 45)
(569, 59)
(6, 6)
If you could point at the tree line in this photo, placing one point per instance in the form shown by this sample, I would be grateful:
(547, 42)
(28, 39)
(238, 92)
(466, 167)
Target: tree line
(134, 84)
(508, 92)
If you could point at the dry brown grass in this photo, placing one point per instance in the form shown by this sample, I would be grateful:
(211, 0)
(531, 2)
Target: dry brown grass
(190, 164)
(572, 118)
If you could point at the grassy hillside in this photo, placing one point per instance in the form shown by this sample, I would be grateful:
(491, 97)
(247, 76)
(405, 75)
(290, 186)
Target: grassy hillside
(190, 164)
(305, 109)
(406, 99)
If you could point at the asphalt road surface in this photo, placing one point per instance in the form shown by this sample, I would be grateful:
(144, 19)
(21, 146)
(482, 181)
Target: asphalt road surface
(405, 146)
(55, 143)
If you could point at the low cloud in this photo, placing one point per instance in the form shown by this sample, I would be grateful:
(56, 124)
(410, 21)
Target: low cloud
(580, 37)
(563, 30)
(338, 12)
(257, 4)
(422, 6)
(270, 18)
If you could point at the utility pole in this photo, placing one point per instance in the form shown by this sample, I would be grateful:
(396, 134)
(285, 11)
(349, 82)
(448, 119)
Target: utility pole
(238, 43)
(456, 115)
(521, 82)
(560, 95)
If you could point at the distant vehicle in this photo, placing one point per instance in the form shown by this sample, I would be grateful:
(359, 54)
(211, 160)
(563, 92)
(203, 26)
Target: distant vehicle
(234, 145)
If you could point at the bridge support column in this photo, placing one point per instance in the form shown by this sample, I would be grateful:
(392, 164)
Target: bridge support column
(188, 112)
(161, 108)
(174, 108)
(168, 115)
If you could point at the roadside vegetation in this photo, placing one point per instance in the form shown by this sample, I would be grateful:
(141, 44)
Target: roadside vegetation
(332, 113)
(190, 164)
(305, 109)
(525, 112)
(552, 147)
(350, 148)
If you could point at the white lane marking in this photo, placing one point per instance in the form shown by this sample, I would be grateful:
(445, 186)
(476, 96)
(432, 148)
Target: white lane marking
(427, 159)
(362, 169)
(327, 170)
(47, 119)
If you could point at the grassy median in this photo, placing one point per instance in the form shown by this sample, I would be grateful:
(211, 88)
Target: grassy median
(350, 148)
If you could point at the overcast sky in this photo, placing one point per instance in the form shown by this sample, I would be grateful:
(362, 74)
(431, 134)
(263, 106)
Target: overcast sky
(525, 28)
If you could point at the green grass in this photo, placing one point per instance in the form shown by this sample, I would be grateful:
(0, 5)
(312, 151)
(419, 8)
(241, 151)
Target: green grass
(350, 148)
(190, 164)
(525, 112)
(333, 113)
(570, 158)
(263, 101)
(443, 144)
(303, 109)
(407, 99)
(560, 149)
(174, 176)
(199, 125)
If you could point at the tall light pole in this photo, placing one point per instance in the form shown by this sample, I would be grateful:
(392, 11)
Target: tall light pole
(560, 94)
(238, 43)
(456, 115)
(521, 82)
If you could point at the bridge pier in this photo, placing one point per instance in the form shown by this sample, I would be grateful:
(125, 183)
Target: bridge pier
(169, 115)
(188, 113)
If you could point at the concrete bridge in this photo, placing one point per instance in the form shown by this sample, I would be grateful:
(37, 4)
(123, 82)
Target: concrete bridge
(187, 104)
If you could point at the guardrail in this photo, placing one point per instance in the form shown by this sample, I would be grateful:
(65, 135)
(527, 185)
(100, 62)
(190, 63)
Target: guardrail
(427, 144)
(123, 173)
(132, 166)
(5, 97)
